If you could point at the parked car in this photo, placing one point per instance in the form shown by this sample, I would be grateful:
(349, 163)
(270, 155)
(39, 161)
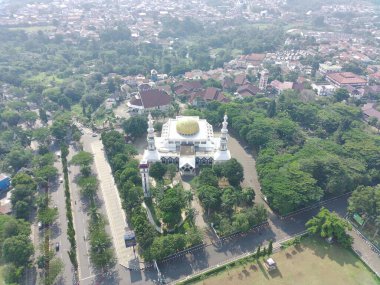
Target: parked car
(57, 246)
(40, 226)
(60, 179)
(94, 134)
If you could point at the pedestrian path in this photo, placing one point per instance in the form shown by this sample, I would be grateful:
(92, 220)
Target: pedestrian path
(115, 212)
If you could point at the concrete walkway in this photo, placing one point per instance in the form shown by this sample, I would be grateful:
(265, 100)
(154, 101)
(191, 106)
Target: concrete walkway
(115, 212)
(365, 250)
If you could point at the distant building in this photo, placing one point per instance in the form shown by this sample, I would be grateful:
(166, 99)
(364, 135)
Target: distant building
(326, 68)
(153, 75)
(281, 86)
(342, 79)
(5, 182)
(370, 111)
(185, 87)
(240, 79)
(247, 90)
(324, 90)
(152, 99)
(264, 76)
(201, 98)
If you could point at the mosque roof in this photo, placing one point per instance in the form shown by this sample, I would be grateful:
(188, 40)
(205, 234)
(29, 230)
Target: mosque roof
(187, 126)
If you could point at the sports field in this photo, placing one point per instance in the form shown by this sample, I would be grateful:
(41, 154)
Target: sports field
(314, 262)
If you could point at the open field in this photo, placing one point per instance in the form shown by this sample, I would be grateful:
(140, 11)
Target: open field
(314, 262)
(33, 29)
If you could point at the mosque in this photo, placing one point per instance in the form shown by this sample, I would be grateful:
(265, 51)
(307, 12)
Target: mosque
(186, 141)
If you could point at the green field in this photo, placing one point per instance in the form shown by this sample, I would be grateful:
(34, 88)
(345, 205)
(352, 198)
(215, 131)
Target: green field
(314, 262)
(2, 276)
(33, 29)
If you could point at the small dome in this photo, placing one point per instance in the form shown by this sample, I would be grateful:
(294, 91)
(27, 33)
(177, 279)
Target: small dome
(187, 127)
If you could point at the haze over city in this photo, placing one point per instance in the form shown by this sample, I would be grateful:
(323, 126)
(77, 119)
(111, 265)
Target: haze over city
(189, 142)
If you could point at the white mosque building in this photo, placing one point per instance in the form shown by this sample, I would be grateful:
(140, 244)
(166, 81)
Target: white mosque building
(186, 141)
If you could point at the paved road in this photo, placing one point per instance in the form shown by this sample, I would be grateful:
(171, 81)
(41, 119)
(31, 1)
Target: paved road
(80, 221)
(115, 212)
(59, 229)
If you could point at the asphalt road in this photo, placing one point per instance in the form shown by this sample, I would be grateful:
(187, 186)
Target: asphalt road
(80, 218)
(59, 229)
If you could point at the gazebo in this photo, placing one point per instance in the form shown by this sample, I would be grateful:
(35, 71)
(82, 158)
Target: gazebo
(270, 264)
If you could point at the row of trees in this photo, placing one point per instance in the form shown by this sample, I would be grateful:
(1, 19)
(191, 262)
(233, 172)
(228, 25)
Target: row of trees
(102, 255)
(69, 211)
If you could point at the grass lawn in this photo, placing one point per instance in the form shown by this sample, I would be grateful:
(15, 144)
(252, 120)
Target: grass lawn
(2, 276)
(314, 262)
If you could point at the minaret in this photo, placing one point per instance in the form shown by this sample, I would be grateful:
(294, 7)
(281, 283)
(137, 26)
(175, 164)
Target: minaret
(150, 136)
(263, 83)
(144, 171)
(224, 135)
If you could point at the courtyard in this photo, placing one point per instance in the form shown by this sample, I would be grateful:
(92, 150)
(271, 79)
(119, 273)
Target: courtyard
(313, 262)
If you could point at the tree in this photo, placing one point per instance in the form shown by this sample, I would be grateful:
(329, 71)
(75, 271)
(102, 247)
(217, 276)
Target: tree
(18, 157)
(247, 196)
(365, 201)
(271, 111)
(12, 274)
(264, 251)
(329, 225)
(56, 267)
(82, 159)
(157, 170)
(258, 252)
(47, 215)
(88, 186)
(270, 247)
(12, 118)
(210, 197)
(171, 204)
(17, 250)
(46, 173)
(171, 171)
(233, 171)
(135, 126)
(207, 177)
(341, 94)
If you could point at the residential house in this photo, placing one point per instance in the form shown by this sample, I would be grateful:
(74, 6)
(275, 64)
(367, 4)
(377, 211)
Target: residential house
(326, 68)
(201, 98)
(186, 87)
(281, 86)
(369, 111)
(342, 79)
(240, 79)
(247, 90)
(152, 99)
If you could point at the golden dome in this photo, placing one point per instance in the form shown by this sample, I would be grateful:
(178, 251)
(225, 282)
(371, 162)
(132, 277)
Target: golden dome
(187, 127)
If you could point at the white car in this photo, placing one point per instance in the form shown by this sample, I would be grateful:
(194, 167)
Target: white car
(94, 135)
(60, 180)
